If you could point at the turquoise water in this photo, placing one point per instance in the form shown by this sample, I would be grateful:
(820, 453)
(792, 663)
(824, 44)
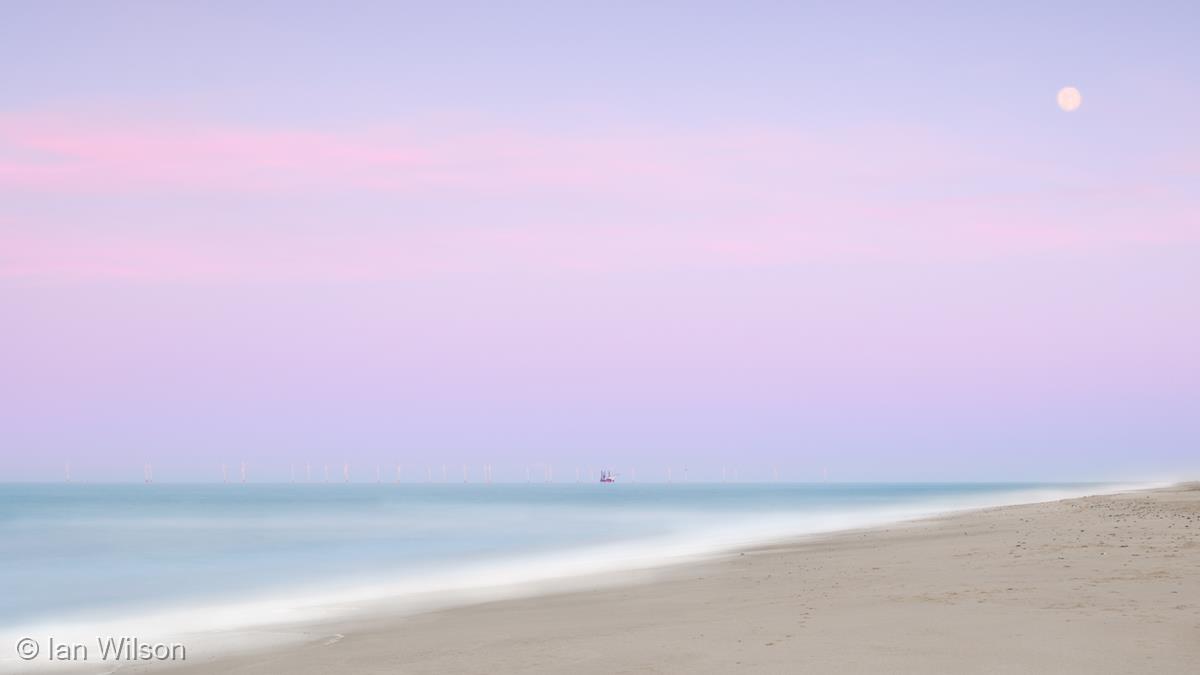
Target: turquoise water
(100, 550)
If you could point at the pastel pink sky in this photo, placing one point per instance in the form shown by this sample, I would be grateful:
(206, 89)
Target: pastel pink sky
(821, 243)
(719, 197)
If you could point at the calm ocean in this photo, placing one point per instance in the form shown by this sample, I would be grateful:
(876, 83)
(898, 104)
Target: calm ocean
(83, 552)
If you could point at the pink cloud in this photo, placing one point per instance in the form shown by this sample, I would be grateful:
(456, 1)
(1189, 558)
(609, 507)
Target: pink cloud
(68, 156)
(62, 154)
(617, 199)
(73, 157)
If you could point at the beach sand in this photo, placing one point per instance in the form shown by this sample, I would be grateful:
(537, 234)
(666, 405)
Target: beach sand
(1107, 584)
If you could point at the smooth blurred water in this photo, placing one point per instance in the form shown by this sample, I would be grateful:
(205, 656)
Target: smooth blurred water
(67, 550)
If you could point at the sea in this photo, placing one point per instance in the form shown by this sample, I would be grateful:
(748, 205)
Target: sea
(161, 560)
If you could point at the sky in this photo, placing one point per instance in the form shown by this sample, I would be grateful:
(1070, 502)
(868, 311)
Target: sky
(853, 237)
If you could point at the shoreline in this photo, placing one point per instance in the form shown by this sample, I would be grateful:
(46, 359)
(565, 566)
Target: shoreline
(219, 625)
(353, 621)
(534, 634)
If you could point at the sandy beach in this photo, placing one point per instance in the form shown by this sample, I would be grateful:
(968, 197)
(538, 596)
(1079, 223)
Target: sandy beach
(1105, 584)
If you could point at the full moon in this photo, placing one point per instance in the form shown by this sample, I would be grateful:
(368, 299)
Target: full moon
(1069, 98)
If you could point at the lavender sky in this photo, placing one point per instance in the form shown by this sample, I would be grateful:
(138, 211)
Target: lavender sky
(754, 234)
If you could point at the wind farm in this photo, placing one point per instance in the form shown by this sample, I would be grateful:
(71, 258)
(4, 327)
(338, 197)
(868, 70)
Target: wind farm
(762, 474)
